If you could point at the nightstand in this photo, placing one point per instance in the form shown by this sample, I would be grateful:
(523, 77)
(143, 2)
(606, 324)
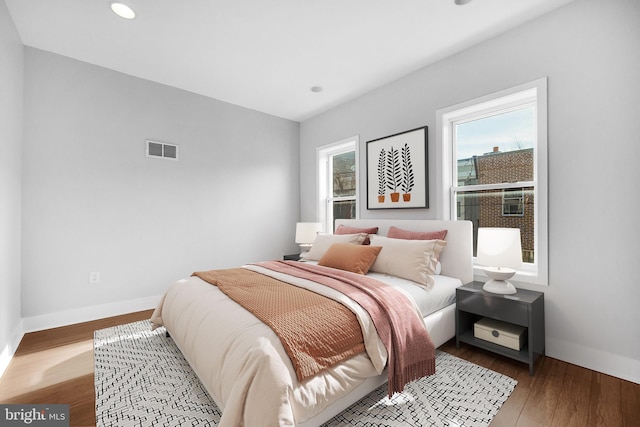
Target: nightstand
(524, 308)
(291, 257)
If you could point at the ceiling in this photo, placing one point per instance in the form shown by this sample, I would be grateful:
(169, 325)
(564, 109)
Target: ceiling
(267, 54)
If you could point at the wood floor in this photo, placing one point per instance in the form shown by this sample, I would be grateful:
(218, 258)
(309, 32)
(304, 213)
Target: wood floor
(56, 366)
(559, 394)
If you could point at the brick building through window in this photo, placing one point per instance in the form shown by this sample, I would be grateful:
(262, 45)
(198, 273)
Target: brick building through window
(511, 207)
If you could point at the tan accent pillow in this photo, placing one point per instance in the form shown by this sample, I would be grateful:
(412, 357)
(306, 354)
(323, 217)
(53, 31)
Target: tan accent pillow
(414, 260)
(324, 242)
(354, 258)
(345, 229)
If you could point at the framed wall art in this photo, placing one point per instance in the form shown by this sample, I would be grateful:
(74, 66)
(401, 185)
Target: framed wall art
(397, 175)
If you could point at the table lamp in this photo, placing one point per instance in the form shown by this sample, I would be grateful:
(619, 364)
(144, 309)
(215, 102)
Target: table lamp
(306, 233)
(500, 251)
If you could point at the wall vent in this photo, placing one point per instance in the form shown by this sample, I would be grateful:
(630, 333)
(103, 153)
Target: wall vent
(162, 150)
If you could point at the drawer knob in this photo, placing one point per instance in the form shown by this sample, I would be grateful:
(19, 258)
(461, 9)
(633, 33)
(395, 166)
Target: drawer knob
(495, 333)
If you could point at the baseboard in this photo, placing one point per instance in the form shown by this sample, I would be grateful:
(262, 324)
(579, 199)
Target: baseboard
(596, 360)
(85, 314)
(10, 348)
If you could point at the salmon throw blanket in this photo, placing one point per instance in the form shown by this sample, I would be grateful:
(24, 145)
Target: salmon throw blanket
(411, 354)
(316, 332)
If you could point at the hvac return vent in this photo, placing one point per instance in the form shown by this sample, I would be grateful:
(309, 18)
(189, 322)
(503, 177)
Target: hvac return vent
(162, 150)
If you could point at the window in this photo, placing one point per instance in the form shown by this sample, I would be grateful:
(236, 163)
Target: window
(494, 168)
(337, 182)
(513, 202)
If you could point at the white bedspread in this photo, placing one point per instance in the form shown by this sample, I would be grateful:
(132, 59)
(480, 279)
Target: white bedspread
(442, 294)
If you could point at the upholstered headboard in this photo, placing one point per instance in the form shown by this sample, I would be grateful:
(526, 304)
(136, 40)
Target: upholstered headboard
(456, 258)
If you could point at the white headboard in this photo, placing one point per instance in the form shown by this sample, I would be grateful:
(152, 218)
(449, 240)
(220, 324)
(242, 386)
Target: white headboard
(456, 258)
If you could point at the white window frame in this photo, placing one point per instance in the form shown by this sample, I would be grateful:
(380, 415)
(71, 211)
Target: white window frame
(536, 92)
(325, 184)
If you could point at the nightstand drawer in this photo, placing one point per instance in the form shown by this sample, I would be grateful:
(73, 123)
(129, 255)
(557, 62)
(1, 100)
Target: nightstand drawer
(503, 309)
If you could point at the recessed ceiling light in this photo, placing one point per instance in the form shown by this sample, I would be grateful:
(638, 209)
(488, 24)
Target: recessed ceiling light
(122, 10)
(461, 2)
(316, 89)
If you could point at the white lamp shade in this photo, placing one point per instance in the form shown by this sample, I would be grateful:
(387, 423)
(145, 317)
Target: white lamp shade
(499, 247)
(306, 232)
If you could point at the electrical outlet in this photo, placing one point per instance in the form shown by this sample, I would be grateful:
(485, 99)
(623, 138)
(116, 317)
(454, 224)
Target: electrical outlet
(94, 277)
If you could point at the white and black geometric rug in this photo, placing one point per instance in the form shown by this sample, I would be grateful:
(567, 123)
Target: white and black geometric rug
(142, 379)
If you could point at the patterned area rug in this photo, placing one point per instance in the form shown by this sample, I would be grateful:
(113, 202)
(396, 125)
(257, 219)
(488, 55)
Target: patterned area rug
(142, 379)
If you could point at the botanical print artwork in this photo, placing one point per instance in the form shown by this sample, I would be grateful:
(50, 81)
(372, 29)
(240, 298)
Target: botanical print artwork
(394, 171)
(391, 171)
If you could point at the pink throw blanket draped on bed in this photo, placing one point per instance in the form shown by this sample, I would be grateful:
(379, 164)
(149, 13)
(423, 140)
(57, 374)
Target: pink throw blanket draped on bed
(410, 349)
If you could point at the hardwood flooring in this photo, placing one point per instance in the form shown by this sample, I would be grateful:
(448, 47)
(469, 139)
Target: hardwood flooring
(559, 394)
(56, 366)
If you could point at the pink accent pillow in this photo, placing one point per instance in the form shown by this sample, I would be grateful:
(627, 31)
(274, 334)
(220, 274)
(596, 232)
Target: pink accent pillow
(398, 233)
(344, 229)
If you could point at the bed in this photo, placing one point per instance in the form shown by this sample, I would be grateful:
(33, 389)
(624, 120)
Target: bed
(244, 367)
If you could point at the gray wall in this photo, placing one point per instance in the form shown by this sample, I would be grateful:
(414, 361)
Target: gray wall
(92, 200)
(11, 70)
(589, 51)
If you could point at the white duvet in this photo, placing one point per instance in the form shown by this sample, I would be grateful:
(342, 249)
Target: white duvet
(242, 363)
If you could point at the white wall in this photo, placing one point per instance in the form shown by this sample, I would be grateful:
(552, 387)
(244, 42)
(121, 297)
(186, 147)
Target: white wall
(589, 51)
(11, 69)
(92, 200)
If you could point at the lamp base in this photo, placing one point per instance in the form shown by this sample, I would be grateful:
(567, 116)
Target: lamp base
(305, 247)
(499, 280)
(503, 287)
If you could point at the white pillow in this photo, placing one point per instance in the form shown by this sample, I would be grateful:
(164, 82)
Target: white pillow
(324, 242)
(414, 260)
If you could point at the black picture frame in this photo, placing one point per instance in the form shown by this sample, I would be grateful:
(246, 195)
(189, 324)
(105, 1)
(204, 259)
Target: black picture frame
(397, 170)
